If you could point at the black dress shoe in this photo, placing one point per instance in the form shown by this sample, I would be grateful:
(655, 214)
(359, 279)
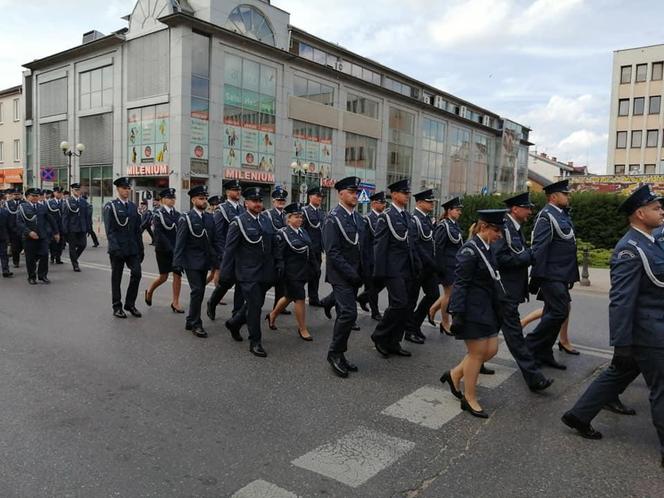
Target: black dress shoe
(414, 339)
(118, 313)
(59, 262)
(337, 365)
(257, 350)
(133, 311)
(211, 311)
(235, 331)
(363, 301)
(540, 385)
(286, 312)
(199, 331)
(377, 316)
(383, 351)
(443, 330)
(327, 309)
(189, 327)
(465, 406)
(617, 407)
(355, 327)
(586, 430)
(76, 267)
(401, 352)
(315, 303)
(32, 281)
(551, 362)
(447, 379)
(7, 274)
(484, 370)
(351, 367)
(44, 280)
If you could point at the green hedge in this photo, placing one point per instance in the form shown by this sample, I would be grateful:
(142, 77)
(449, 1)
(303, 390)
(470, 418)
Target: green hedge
(595, 215)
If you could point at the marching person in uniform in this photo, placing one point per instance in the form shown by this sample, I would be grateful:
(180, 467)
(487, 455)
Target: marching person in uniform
(227, 212)
(313, 225)
(448, 240)
(76, 223)
(292, 263)
(91, 233)
(15, 238)
(554, 271)
(195, 253)
(427, 279)
(372, 286)
(397, 262)
(636, 322)
(275, 217)
(54, 205)
(249, 261)
(4, 238)
(146, 220)
(343, 269)
(36, 224)
(125, 247)
(475, 307)
(164, 225)
(514, 258)
(213, 208)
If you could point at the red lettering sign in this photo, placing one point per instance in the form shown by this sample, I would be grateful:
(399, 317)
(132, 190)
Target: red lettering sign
(249, 175)
(148, 170)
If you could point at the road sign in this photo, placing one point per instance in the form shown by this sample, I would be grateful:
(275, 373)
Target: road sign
(47, 174)
(363, 197)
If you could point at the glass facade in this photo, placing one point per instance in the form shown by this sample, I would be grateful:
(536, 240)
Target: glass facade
(313, 90)
(478, 174)
(459, 160)
(97, 182)
(200, 105)
(400, 146)
(360, 157)
(433, 154)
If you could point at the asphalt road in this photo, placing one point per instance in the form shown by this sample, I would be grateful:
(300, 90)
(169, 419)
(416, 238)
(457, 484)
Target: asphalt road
(96, 406)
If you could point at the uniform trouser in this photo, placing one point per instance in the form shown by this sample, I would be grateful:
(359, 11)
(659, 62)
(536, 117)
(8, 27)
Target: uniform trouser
(117, 267)
(429, 285)
(77, 243)
(314, 281)
(56, 247)
(17, 246)
(344, 298)
(615, 379)
(250, 312)
(36, 258)
(4, 257)
(516, 343)
(556, 309)
(196, 279)
(372, 287)
(402, 297)
(93, 236)
(220, 291)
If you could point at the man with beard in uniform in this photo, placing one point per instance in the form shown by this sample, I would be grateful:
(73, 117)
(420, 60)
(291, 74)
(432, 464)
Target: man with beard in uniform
(275, 217)
(36, 225)
(195, 253)
(15, 239)
(373, 286)
(125, 247)
(427, 279)
(397, 262)
(76, 223)
(554, 271)
(231, 208)
(313, 224)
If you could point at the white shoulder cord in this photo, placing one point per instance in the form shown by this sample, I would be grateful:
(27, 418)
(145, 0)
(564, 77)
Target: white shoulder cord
(508, 240)
(371, 229)
(269, 215)
(115, 213)
(69, 207)
(25, 217)
(163, 222)
(191, 228)
(646, 266)
(299, 250)
(343, 232)
(532, 234)
(15, 211)
(400, 238)
(495, 274)
(48, 205)
(420, 230)
(309, 221)
(559, 231)
(244, 233)
(454, 240)
(224, 214)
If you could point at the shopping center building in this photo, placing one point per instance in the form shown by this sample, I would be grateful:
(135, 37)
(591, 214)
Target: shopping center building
(198, 91)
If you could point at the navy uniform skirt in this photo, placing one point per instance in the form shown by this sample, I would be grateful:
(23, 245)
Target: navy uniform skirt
(473, 331)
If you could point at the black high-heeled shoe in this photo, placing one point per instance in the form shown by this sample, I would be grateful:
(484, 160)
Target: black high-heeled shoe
(465, 406)
(443, 330)
(447, 379)
(270, 324)
(176, 310)
(431, 321)
(572, 351)
(147, 301)
(308, 339)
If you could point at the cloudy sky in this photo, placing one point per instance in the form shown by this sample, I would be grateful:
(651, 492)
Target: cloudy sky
(543, 63)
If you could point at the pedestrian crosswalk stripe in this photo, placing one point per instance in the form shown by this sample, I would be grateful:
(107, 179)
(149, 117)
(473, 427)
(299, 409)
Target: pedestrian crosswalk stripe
(263, 489)
(492, 381)
(429, 406)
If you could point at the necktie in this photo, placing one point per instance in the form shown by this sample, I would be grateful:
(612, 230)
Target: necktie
(404, 216)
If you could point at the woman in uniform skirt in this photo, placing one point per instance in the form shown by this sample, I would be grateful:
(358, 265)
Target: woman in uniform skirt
(475, 307)
(292, 256)
(164, 223)
(448, 239)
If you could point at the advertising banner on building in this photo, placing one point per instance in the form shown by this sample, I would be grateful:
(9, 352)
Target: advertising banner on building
(623, 184)
(148, 130)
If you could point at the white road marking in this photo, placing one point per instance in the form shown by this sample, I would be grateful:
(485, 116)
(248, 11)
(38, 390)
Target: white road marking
(429, 406)
(356, 457)
(263, 489)
(492, 381)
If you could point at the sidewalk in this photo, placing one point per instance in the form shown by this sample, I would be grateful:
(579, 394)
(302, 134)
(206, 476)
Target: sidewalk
(600, 281)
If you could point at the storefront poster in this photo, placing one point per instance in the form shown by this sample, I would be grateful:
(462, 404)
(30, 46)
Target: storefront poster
(266, 144)
(199, 138)
(313, 151)
(133, 154)
(266, 162)
(325, 152)
(148, 135)
(299, 146)
(199, 151)
(232, 157)
(147, 153)
(232, 136)
(249, 140)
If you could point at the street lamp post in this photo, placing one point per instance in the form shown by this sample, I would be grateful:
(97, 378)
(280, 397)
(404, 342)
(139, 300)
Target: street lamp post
(69, 153)
(300, 172)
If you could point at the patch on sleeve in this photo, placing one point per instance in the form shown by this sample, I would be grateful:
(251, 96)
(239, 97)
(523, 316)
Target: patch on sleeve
(467, 251)
(626, 254)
